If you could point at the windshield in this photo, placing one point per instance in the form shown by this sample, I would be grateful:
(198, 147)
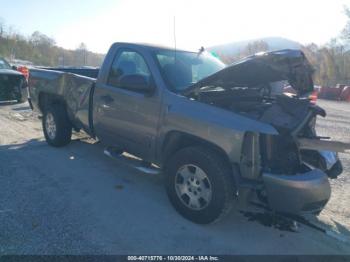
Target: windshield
(188, 69)
(4, 64)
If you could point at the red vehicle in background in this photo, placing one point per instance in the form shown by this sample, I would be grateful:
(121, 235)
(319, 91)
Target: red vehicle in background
(338, 93)
(345, 94)
(22, 66)
(332, 93)
(313, 96)
(24, 70)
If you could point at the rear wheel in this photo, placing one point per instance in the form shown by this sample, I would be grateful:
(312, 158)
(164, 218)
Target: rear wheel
(56, 125)
(199, 184)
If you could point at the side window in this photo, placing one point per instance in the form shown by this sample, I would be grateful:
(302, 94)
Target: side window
(128, 63)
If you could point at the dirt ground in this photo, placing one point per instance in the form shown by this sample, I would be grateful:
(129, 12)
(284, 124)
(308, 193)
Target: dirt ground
(337, 125)
(75, 200)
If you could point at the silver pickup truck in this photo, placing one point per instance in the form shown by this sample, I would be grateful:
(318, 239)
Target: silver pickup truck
(212, 129)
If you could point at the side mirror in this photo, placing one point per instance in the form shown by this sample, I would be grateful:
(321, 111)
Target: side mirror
(14, 67)
(137, 83)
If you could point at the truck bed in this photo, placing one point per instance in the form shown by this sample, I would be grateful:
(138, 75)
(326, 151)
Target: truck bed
(72, 85)
(88, 72)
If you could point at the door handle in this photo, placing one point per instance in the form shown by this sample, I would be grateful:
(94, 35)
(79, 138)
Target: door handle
(107, 99)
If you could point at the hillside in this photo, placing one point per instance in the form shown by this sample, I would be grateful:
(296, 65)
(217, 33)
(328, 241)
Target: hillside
(274, 43)
(40, 49)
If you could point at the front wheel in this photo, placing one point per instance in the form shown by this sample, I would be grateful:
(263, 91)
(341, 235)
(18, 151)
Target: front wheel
(199, 184)
(56, 125)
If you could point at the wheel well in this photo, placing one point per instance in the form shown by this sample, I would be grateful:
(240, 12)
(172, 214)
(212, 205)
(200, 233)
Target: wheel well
(174, 141)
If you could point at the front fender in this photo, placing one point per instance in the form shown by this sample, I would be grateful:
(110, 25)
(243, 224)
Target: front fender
(217, 126)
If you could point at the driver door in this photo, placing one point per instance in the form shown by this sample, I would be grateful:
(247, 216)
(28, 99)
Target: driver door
(124, 117)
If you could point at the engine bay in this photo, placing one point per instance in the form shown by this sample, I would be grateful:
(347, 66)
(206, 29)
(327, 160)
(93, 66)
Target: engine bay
(292, 116)
(286, 113)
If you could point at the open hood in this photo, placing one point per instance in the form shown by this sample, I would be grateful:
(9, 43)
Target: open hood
(263, 68)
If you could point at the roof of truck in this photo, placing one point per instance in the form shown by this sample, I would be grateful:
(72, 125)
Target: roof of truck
(156, 46)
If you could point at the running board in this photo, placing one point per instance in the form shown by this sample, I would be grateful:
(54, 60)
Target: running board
(132, 161)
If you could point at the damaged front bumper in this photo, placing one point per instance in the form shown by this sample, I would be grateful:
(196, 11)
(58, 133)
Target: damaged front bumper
(298, 194)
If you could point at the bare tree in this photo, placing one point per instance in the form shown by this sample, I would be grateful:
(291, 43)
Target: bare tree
(255, 47)
(2, 27)
(82, 53)
(346, 30)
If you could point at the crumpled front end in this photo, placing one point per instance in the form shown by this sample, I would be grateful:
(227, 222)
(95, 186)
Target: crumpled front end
(299, 193)
(294, 167)
(290, 169)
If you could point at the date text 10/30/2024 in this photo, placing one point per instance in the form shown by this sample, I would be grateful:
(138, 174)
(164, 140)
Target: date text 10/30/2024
(173, 258)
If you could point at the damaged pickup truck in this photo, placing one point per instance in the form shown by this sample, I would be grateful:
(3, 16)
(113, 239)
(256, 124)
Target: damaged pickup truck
(212, 129)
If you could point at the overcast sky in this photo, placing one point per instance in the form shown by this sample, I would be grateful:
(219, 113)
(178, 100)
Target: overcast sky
(198, 23)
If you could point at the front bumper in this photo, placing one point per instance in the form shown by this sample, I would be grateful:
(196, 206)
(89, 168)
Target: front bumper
(297, 194)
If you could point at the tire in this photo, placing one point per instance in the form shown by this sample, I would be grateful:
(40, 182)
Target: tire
(219, 180)
(56, 125)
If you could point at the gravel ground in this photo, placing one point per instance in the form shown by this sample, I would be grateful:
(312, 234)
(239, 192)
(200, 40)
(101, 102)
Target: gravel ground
(336, 215)
(75, 200)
